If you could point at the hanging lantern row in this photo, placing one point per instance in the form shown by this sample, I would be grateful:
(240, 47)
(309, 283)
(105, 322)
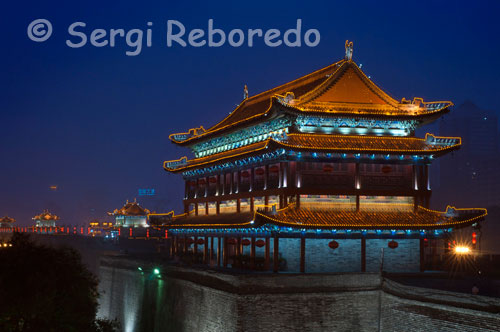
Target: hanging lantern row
(259, 171)
(245, 242)
(213, 180)
(260, 243)
(245, 174)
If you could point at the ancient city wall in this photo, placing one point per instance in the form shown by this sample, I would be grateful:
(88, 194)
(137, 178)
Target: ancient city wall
(191, 300)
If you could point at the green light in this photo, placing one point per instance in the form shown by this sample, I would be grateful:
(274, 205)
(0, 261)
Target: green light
(139, 268)
(156, 271)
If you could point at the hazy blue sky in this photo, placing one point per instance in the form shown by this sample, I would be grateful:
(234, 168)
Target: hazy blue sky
(95, 121)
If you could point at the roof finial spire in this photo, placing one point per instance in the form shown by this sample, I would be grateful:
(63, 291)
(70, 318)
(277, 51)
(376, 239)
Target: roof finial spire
(348, 50)
(245, 92)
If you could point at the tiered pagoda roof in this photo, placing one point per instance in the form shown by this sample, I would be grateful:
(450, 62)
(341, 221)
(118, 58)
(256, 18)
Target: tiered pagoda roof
(340, 89)
(317, 116)
(7, 220)
(430, 145)
(304, 218)
(130, 209)
(46, 215)
(421, 218)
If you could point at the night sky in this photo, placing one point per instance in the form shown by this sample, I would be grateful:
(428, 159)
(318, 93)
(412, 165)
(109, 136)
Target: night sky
(95, 122)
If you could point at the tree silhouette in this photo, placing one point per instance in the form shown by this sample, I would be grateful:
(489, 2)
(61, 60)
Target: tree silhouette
(47, 289)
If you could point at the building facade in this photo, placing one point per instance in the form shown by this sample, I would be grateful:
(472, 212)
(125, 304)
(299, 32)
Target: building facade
(7, 222)
(321, 174)
(130, 215)
(45, 219)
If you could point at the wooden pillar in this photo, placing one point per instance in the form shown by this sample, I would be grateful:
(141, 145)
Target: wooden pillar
(224, 251)
(363, 254)
(185, 245)
(266, 203)
(297, 200)
(231, 183)
(415, 177)
(186, 189)
(266, 176)
(206, 208)
(238, 247)
(357, 180)
(219, 250)
(205, 251)
(422, 255)
(252, 253)
(252, 178)
(252, 207)
(267, 254)
(195, 208)
(280, 175)
(195, 247)
(223, 183)
(238, 205)
(276, 251)
(217, 185)
(286, 173)
(217, 207)
(207, 182)
(302, 254)
(238, 181)
(211, 248)
(298, 176)
(357, 202)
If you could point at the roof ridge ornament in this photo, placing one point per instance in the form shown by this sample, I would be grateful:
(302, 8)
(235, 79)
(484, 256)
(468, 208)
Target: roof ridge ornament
(348, 50)
(245, 92)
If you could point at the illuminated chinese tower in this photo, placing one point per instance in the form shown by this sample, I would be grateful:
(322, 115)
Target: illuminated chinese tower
(315, 175)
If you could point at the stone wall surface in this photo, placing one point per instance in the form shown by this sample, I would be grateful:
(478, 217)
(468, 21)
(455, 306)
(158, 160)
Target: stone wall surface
(184, 299)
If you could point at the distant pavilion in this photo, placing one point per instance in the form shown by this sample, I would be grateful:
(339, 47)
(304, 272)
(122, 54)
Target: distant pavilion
(130, 215)
(45, 219)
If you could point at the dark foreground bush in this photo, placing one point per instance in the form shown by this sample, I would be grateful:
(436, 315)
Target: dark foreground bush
(47, 289)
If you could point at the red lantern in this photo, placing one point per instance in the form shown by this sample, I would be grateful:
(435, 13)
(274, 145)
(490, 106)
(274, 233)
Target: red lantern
(201, 181)
(259, 171)
(274, 169)
(200, 241)
(386, 169)
(393, 244)
(231, 241)
(260, 243)
(333, 244)
(245, 174)
(328, 168)
(213, 180)
(245, 242)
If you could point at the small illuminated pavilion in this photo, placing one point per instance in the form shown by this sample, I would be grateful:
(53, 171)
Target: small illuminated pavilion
(45, 219)
(7, 222)
(130, 215)
(325, 169)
